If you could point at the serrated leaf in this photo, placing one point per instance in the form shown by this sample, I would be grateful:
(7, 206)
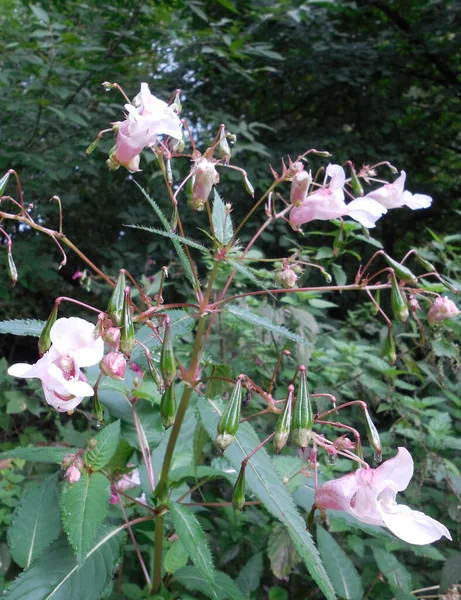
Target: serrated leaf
(179, 250)
(254, 319)
(31, 327)
(53, 454)
(249, 275)
(176, 558)
(36, 522)
(249, 578)
(222, 222)
(222, 587)
(191, 535)
(339, 567)
(263, 480)
(173, 236)
(84, 506)
(339, 274)
(396, 574)
(282, 553)
(106, 444)
(58, 576)
(180, 321)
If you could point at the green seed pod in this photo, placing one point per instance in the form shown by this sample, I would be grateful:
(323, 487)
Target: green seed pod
(389, 347)
(303, 417)
(127, 335)
(155, 375)
(356, 185)
(229, 421)
(429, 267)
(169, 172)
(374, 308)
(4, 182)
(11, 267)
(44, 341)
(373, 437)
(282, 429)
(401, 271)
(167, 359)
(92, 146)
(238, 495)
(115, 306)
(248, 187)
(98, 409)
(168, 407)
(398, 301)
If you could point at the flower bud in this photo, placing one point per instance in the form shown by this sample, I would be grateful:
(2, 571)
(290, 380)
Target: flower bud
(205, 177)
(224, 150)
(299, 186)
(112, 337)
(428, 266)
(389, 347)
(11, 267)
(286, 278)
(238, 495)
(113, 365)
(443, 308)
(373, 437)
(414, 304)
(115, 306)
(282, 429)
(398, 301)
(401, 271)
(168, 407)
(229, 421)
(167, 359)
(73, 474)
(44, 341)
(357, 188)
(127, 335)
(303, 417)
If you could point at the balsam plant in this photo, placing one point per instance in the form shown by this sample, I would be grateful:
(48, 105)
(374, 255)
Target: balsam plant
(152, 421)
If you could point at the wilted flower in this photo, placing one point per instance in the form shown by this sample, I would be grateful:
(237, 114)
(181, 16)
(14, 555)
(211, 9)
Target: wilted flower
(369, 496)
(286, 277)
(126, 482)
(73, 346)
(443, 308)
(300, 185)
(113, 365)
(393, 195)
(205, 177)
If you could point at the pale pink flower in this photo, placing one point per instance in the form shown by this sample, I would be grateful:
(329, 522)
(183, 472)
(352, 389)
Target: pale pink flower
(73, 474)
(328, 203)
(394, 195)
(299, 186)
(113, 365)
(126, 482)
(206, 177)
(369, 496)
(74, 345)
(443, 308)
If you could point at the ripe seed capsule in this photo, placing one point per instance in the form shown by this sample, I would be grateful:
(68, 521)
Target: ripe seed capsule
(238, 495)
(115, 306)
(303, 417)
(167, 359)
(282, 429)
(168, 407)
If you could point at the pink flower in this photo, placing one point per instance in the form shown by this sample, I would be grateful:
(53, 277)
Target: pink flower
(328, 203)
(369, 496)
(77, 275)
(113, 365)
(299, 186)
(443, 308)
(73, 474)
(73, 346)
(393, 195)
(126, 482)
(205, 177)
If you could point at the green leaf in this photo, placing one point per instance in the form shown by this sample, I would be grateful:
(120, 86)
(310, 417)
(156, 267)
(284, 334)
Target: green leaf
(222, 222)
(263, 480)
(31, 327)
(249, 578)
(58, 576)
(248, 273)
(216, 387)
(172, 236)
(52, 454)
(339, 274)
(451, 572)
(198, 472)
(179, 250)
(396, 574)
(17, 402)
(36, 522)
(191, 535)
(40, 13)
(278, 593)
(339, 567)
(222, 587)
(104, 450)
(84, 506)
(176, 558)
(180, 321)
(282, 552)
(254, 319)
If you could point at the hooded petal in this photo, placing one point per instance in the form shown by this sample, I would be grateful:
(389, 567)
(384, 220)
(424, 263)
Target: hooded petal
(75, 337)
(412, 526)
(395, 472)
(338, 177)
(364, 507)
(366, 211)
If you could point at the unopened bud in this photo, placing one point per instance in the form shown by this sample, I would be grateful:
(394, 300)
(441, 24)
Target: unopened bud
(299, 186)
(430, 268)
(414, 304)
(113, 365)
(286, 278)
(303, 416)
(401, 271)
(229, 421)
(73, 474)
(373, 437)
(443, 308)
(44, 341)
(168, 407)
(167, 359)
(115, 306)
(112, 337)
(224, 150)
(238, 495)
(398, 301)
(205, 177)
(282, 429)
(357, 188)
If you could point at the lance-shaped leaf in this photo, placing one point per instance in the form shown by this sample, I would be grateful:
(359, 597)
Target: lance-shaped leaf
(193, 539)
(222, 222)
(84, 506)
(36, 522)
(173, 236)
(254, 319)
(103, 447)
(58, 576)
(396, 574)
(249, 578)
(339, 567)
(222, 588)
(50, 455)
(31, 327)
(263, 480)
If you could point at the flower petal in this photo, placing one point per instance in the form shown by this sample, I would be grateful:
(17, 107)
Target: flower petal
(337, 494)
(396, 472)
(58, 403)
(338, 177)
(366, 211)
(416, 201)
(412, 526)
(72, 333)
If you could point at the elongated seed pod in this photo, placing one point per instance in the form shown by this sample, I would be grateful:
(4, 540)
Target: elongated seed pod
(283, 427)
(127, 335)
(229, 421)
(168, 407)
(155, 375)
(398, 301)
(238, 495)
(401, 271)
(373, 437)
(303, 417)
(11, 267)
(374, 308)
(115, 306)
(389, 347)
(167, 359)
(44, 341)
